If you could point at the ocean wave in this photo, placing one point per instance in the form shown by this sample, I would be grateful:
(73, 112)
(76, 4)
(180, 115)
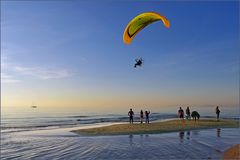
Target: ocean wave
(15, 125)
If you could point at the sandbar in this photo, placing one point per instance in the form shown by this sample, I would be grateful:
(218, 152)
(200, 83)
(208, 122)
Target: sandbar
(158, 127)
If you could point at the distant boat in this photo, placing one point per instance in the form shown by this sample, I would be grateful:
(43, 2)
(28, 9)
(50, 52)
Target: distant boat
(34, 106)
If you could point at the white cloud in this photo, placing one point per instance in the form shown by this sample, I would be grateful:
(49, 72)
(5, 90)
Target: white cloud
(8, 78)
(43, 73)
(38, 72)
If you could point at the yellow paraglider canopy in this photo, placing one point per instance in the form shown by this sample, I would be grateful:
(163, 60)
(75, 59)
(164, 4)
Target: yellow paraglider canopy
(141, 21)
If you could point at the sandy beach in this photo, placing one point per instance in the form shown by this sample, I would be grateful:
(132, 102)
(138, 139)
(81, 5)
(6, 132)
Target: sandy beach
(158, 127)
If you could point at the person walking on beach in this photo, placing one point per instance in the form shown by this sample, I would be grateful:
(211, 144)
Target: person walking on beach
(217, 112)
(141, 116)
(180, 113)
(188, 113)
(147, 116)
(131, 114)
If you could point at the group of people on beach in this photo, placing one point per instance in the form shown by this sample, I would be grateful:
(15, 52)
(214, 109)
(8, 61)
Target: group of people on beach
(131, 114)
(180, 114)
(188, 116)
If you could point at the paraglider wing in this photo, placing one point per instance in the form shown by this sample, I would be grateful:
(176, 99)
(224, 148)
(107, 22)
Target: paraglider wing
(141, 21)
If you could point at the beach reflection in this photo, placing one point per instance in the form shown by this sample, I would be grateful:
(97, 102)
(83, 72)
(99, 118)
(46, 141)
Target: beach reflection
(195, 132)
(218, 132)
(188, 135)
(140, 139)
(131, 139)
(182, 135)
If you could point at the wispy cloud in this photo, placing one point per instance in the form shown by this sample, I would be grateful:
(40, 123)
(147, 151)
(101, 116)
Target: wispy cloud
(8, 79)
(43, 73)
(4, 63)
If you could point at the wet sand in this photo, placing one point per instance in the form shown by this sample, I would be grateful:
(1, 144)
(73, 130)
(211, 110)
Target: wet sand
(232, 153)
(61, 144)
(158, 127)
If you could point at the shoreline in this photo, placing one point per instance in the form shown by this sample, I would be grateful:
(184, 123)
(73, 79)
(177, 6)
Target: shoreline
(157, 127)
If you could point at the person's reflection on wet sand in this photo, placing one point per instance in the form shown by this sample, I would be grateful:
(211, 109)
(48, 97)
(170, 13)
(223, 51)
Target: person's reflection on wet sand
(181, 136)
(141, 139)
(218, 132)
(195, 132)
(131, 139)
(188, 134)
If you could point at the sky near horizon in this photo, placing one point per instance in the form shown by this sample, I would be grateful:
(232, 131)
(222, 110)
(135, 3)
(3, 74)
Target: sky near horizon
(71, 54)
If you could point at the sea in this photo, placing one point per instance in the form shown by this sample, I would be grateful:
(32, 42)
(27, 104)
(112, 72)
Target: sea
(37, 133)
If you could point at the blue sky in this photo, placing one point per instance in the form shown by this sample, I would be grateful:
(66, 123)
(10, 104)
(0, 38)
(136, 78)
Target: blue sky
(73, 50)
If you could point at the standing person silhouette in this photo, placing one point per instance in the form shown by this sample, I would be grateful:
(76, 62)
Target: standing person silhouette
(141, 116)
(217, 112)
(188, 113)
(147, 116)
(181, 116)
(131, 114)
(180, 113)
